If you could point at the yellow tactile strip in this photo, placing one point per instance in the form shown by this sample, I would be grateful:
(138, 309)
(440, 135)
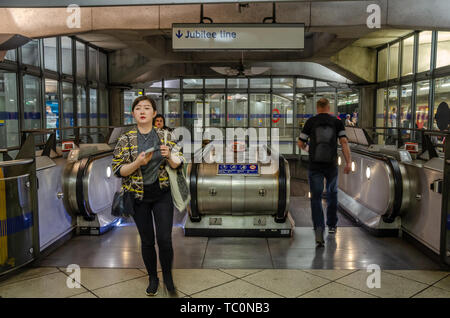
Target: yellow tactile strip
(228, 283)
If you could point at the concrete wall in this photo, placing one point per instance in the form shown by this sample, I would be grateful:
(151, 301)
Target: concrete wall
(359, 61)
(407, 14)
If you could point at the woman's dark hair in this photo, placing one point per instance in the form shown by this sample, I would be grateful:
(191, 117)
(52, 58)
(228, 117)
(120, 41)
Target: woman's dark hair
(141, 98)
(159, 116)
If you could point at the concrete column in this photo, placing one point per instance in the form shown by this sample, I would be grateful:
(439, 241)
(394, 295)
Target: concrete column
(367, 106)
(116, 115)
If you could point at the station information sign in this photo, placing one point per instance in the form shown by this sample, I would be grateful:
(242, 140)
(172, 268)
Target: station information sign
(258, 36)
(238, 169)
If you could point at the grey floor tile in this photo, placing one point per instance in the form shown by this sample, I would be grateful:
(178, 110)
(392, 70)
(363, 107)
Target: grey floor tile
(331, 274)
(391, 286)
(48, 286)
(444, 283)
(134, 288)
(426, 277)
(28, 273)
(191, 281)
(288, 283)
(94, 278)
(239, 273)
(335, 290)
(238, 263)
(84, 295)
(433, 292)
(236, 289)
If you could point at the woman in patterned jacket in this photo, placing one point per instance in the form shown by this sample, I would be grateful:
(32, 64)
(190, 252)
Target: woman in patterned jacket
(144, 174)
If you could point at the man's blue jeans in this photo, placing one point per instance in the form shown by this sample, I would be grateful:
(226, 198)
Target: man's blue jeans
(316, 186)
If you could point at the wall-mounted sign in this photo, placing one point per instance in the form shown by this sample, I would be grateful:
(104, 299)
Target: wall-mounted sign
(265, 36)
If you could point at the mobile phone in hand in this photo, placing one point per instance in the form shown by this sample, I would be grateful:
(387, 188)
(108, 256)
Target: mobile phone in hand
(149, 150)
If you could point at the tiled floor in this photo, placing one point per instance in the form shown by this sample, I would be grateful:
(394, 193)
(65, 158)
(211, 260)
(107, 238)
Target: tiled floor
(350, 248)
(224, 283)
(111, 266)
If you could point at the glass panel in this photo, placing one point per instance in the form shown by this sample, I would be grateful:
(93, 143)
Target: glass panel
(237, 83)
(441, 96)
(157, 97)
(93, 114)
(193, 110)
(443, 49)
(305, 110)
(66, 55)
(423, 90)
(331, 99)
(392, 116)
(283, 119)
(408, 53)
(215, 83)
(81, 60)
(170, 84)
(192, 83)
(321, 84)
(30, 53)
(405, 110)
(259, 110)
(260, 82)
(9, 118)
(11, 55)
(215, 110)
(128, 99)
(67, 110)
(392, 107)
(172, 110)
(103, 110)
(393, 60)
(103, 67)
(81, 109)
(52, 105)
(381, 116)
(237, 106)
(348, 102)
(92, 64)
(424, 57)
(32, 102)
(283, 82)
(50, 59)
(382, 65)
(305, 83)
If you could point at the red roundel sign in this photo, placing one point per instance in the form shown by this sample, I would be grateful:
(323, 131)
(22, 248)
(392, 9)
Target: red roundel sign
(275, 115)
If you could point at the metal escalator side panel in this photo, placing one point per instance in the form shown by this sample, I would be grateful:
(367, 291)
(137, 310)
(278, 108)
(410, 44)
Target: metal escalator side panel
(390, 216)
(80, 190)
(193, 176)
(282, 191)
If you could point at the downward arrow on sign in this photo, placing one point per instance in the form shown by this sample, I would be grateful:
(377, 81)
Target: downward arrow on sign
(179, 34)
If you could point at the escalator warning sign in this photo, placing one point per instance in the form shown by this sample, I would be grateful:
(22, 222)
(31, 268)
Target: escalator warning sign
(246, 169)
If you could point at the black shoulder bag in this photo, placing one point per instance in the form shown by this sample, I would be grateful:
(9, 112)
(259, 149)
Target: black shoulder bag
(123, 202)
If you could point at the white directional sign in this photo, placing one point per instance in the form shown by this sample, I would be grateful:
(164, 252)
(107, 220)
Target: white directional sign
(238, 36)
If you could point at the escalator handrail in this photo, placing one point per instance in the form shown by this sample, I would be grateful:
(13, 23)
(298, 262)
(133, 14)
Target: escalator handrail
(389, 216)
(82, 205)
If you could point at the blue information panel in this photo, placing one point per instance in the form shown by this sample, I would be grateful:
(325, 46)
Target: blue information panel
(247, 169)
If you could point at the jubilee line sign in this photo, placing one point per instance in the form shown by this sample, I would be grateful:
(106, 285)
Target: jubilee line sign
(264, 36)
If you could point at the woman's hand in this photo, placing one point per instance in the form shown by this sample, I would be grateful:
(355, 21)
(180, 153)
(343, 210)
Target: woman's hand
(165, 151)
(143, 158)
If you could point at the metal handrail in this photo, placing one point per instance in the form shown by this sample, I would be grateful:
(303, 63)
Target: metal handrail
(15, 177)
(11, 163)
(426, 131)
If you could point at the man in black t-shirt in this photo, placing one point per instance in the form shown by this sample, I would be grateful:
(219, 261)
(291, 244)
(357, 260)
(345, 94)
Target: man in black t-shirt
(323, 131)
